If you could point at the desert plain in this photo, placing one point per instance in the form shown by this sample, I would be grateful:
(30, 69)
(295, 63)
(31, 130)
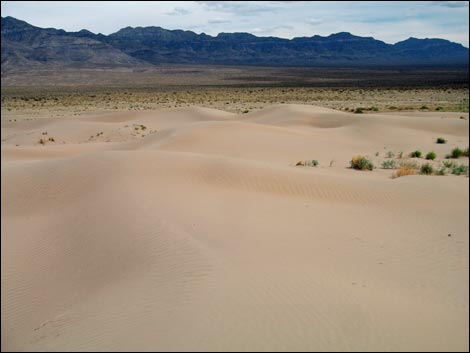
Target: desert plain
(222, 222)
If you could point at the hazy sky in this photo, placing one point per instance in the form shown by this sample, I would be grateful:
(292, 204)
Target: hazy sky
(390, 21)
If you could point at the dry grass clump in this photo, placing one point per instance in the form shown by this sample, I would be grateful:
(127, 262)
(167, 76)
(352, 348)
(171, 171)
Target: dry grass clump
(406, 168)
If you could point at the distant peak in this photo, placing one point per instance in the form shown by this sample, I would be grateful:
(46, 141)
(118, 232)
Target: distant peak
(341, 35)
(238, 35)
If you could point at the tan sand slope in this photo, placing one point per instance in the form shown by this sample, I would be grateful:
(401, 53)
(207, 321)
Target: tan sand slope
(198, 232)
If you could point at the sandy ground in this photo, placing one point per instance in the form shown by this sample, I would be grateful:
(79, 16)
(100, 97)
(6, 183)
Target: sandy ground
(192, 229)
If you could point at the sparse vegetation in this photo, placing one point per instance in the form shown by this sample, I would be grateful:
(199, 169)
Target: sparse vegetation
(441, 140)
(359, 111)
(361, 163)
(448, 164)
(404, 170)
(427, 169)
(390, 164)
(459, 169)
(416, 154)
(312, 163)
(455, 153)
(431, 156)
(390, 154)
(441, 171)
(409, 164)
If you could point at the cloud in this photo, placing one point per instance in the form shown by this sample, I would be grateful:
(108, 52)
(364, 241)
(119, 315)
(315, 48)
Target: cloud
(217, 21)
(314, 21)
(452, 4)
(244, 8)
(178, 11)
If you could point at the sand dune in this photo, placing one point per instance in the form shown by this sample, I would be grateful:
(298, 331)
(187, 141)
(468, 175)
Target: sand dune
(192, 229)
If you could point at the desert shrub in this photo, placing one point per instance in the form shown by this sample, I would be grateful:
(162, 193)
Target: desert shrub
(459, 169)
(361, 163)
(312, 163)
(448, 164)
(431, 155)
(400, 154)
(375, 109)
(390, 164)
(455, 153)
(441, 171)
(439, 108)
(359, 111)
(426, 169)
(390, 154)
(465, 152)
(424, 107)
(51, 139)
(416, 154)
(441, 140)
(42, 141)
(377, 154)
(245, 111)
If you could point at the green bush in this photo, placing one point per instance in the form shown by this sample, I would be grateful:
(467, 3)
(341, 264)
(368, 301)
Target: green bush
(465, 152)
(459, 169)
(441, 140)
(455, 153)
(390, 164)
(361, 163)
(448, 164)
(314, 162)
(426, 169)
(416, 154)
(431, 156)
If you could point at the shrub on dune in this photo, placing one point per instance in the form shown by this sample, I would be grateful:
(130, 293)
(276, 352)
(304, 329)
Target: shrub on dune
(455, 153)
(361, 163)
(459, 169)
(390, 164)
(406, 168)
(427, 169)
(431, 155)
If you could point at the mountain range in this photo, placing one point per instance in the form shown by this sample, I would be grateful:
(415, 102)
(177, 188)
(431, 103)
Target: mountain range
(27, 45)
